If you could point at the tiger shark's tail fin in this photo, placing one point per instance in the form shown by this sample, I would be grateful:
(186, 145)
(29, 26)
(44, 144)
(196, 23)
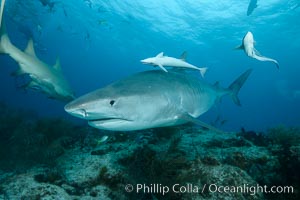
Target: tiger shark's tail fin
(236, 85)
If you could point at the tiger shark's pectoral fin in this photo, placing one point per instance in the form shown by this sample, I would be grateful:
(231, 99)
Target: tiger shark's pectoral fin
(162, 67)
(190, 118)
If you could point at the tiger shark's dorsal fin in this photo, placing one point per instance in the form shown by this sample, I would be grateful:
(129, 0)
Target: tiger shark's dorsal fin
(160, 55)
(57, 64)
(29, 49)
(183, 56)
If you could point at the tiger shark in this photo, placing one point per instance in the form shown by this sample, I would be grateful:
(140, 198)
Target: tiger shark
(248, 47)
(161, 61)
(45, 78)
(151, 99)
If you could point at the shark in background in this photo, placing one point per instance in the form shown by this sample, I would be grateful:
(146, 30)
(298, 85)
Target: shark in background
(248, 47)
(44, 78)
(252, 5)
(48, 3)
(151, 99)
(160, 60)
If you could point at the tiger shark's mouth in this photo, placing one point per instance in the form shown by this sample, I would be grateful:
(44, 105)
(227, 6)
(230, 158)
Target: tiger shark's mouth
(111, 123)
(94, 117)
(108, 119)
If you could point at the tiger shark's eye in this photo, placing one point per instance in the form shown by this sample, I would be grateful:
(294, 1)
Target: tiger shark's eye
(112, 102)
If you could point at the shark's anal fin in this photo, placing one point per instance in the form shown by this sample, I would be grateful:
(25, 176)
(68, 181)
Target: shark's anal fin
(162, 67)
(29, 49)
(189, 118)
(183, 56)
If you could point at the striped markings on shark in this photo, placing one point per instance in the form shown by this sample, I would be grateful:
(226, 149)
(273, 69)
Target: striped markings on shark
(152, 99)
(161, 61)
(248, 47)
(45, 78)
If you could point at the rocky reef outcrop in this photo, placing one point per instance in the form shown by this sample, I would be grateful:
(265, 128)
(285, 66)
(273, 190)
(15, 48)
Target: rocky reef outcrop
(40, 160)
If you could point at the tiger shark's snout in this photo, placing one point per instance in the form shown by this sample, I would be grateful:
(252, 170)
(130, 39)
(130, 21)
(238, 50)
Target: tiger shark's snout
(90, 111)
(76, 112)
(98, 115)
(78, 109)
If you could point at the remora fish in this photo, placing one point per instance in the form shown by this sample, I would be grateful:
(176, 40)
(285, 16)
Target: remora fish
(248, 47)
(161, 61)
(151, 99)
(47, 79)
(252, 5)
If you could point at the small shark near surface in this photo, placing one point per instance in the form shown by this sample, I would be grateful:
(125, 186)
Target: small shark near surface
(248, 47)
(161, 61)
(44, 78)
(151, 99)
(48, 3)
(252, 5)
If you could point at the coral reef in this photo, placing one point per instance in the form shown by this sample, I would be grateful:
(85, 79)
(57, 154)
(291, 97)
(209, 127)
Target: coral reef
(26, 140)
(67, 161)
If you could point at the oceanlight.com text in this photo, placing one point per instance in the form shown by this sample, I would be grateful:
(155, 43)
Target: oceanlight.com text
(251, 189)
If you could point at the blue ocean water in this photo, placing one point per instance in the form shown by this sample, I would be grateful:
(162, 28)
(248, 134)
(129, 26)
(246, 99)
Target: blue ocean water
(99, 42)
